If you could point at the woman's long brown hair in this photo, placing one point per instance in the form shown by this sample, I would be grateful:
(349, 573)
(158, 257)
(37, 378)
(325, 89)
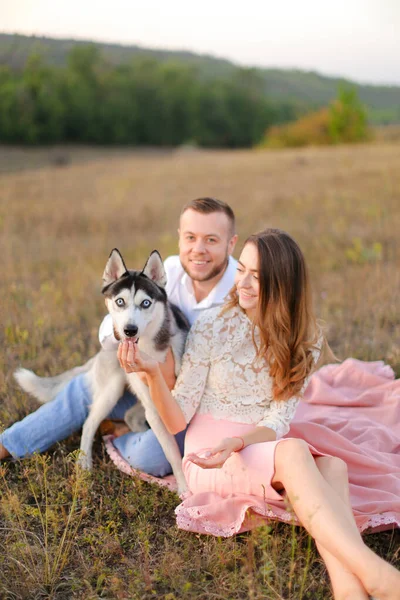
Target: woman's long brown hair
(285, 318)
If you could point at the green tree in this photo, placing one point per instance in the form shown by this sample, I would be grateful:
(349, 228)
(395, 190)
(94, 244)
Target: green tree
(178, 88)
(31, 109)
(8, 106)
(83, 94)
(42, 109)
(347, 118)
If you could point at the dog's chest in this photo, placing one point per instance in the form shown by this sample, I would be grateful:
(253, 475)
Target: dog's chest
(147, 346)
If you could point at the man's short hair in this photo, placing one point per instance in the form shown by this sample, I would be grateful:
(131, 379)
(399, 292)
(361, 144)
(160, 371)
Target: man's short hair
(211, 205)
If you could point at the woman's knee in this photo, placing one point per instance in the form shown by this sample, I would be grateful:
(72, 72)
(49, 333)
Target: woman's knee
(332, 466)
(291, 451)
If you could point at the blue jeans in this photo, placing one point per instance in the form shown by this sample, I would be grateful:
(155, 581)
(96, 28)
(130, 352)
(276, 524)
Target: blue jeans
(56, 420)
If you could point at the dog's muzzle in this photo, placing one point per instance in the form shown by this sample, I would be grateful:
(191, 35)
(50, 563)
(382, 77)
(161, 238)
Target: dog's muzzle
(131, 331)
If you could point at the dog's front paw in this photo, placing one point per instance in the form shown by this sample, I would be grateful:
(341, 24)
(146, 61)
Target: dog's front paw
(138, 426)
(135, 418)
(182, 486)
(84, 462)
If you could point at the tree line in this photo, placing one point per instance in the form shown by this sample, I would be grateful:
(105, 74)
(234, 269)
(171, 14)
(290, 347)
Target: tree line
(145, 102)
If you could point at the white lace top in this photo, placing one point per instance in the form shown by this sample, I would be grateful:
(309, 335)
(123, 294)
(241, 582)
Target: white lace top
(220, 376)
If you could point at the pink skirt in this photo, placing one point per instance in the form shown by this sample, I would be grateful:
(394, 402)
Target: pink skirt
(351, 411)
(239, 495)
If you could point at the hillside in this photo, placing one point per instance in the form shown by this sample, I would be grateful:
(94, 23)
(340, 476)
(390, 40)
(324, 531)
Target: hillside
(307, 89)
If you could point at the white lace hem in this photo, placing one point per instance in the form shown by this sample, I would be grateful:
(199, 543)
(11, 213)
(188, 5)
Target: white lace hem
(203, 525)
(378, 521)
(206, 526)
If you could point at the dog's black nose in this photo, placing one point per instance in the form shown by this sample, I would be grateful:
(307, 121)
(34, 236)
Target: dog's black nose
(131, 330)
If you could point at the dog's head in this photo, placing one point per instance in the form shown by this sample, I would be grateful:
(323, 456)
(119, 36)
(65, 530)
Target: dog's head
(136, 300)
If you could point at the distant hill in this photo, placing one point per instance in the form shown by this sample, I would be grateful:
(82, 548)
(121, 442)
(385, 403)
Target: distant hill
(306, 88)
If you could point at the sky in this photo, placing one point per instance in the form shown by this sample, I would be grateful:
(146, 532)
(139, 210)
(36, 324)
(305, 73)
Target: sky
(357, 39)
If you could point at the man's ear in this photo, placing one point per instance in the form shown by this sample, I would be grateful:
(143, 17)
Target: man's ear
(232, 243)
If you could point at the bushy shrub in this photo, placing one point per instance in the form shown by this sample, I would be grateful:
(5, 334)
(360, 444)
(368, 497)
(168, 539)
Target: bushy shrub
(347, 118)
(312, 129)
(343, 121)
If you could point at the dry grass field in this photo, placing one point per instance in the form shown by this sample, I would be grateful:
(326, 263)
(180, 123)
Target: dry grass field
(63, 536)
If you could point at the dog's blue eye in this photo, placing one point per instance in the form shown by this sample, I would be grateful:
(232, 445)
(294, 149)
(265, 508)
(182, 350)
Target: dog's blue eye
(120, 302)
(145, 304)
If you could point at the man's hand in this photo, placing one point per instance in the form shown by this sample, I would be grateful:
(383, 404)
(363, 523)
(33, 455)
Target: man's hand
(216, 457)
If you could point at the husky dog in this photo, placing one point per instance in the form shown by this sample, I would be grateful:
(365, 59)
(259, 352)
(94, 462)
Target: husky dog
(140, 311)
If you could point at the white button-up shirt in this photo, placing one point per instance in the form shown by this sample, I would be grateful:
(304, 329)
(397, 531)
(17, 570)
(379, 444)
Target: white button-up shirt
(180, 291)
(180, 288)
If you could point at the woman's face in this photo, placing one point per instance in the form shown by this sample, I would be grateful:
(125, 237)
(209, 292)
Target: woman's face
(246, 280)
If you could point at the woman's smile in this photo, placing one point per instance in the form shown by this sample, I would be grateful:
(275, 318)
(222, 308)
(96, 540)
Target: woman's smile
(246, 280)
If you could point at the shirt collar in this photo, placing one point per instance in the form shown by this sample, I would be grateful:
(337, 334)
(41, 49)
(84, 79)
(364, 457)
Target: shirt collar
(219, 291)
(187, 283)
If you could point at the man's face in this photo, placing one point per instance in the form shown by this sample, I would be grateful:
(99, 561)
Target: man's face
(205, 243)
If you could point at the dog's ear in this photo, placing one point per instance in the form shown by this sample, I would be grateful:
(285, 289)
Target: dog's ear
(154, 269)
(115, 268)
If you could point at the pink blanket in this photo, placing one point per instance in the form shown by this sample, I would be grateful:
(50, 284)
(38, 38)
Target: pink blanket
(350, 410)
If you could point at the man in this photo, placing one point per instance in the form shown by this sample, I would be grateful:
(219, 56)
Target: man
(198, 279)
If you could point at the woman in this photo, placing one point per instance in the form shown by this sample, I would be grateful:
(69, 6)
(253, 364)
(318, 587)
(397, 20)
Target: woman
(244, 369)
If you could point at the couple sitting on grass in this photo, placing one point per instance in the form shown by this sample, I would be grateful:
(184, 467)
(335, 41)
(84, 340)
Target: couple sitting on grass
(248, 361)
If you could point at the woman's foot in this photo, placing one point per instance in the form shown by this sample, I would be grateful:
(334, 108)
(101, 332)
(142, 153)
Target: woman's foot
(115, 428)
(352, 594)
(4, 453)
(121, 429)
(348, 587)
(384, 583)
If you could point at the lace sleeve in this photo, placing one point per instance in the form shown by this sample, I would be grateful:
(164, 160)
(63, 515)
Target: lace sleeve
(279, 414)
(189, 386)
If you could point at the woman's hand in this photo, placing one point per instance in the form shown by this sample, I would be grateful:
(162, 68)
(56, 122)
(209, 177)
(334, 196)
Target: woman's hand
(216, 457)
(133, 361)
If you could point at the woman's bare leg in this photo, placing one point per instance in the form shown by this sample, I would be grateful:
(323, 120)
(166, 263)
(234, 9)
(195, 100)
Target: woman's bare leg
(345, 585)
(327, 518)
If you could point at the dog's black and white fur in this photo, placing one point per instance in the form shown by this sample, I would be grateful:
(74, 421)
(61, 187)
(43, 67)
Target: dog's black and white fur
(140, 311)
